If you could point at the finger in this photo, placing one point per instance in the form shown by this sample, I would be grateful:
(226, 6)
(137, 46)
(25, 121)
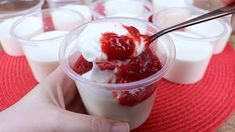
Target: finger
(73, 122)
(60, 88)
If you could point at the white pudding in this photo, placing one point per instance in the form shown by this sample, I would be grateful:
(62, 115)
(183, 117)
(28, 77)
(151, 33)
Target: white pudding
(221, 31)
(163, 4)
(66, 22)
(83, 9)
(10, 44)
(192, 59)
(130, 105)
(43, 57)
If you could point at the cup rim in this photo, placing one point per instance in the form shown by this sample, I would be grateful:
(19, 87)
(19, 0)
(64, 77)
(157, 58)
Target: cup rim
(26, 11)
(37, 42)
(97, 15)
(211, 38)
(132, 85)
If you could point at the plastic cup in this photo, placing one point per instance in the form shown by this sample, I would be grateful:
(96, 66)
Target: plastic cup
(141, 9)
(40, 34)
(58, 3)
(206, 6)
(159, 5)
(193, 49)
(217, 34)
(10, 12)
(100, 99)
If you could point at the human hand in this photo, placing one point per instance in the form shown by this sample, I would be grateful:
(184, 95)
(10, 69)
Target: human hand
(55, 105)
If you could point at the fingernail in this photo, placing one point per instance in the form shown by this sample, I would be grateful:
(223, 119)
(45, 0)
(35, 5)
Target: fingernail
(120, 127)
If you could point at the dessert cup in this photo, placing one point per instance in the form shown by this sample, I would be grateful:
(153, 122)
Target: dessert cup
(58, 3)
(141, 9)
(10, 12)
(101, 99)
(47, 30)
(217, 37)
(194, 47)
(206, 6)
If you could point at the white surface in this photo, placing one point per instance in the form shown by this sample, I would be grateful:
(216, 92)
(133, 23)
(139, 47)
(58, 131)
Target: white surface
(128, 8)
(83, 9)
(192, 59)
(162, 4)
(89, 40)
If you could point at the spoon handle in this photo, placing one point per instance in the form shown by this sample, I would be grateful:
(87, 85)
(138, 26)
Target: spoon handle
(227, 10)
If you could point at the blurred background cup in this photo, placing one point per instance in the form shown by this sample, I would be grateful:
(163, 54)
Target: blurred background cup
(194, 45)
(206, 6)
(40, 35)
(141, 9)
(10, 11)
(159, 5)
(216, 32)
(81, 6)
(101, 99)
(58, 3)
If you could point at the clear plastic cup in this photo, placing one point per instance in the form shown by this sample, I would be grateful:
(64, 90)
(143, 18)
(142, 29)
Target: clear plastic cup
(12, 10)
(141, 9)
(41, 33)
(159, 5)
(100, 99)
(193, 50)
(206, 6)
(218, 36)
(58, 3)
(81, 6)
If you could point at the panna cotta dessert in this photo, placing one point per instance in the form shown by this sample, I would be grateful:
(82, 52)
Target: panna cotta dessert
(40, 65)
(192, 58)
(42, 48)
(122, 8)
(159, 5)
(83, 9)
(115, 69)
(208, 5)
(53, 4)
(217, 31)
(194, 44)
(207, 29)
(11, 11)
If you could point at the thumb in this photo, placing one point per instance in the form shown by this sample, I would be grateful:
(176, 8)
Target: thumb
(74, 122)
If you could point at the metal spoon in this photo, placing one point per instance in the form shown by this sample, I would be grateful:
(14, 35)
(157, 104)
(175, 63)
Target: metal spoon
(224, 11)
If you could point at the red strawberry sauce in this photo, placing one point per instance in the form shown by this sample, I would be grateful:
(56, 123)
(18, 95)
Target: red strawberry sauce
(135, 69)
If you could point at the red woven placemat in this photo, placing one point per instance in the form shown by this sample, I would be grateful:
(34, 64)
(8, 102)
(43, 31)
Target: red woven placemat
(189, 108)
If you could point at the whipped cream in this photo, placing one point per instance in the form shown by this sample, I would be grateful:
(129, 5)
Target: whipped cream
(96, 75)
(90, 46)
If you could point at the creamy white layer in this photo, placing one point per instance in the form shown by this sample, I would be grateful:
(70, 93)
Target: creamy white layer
(192, 59)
